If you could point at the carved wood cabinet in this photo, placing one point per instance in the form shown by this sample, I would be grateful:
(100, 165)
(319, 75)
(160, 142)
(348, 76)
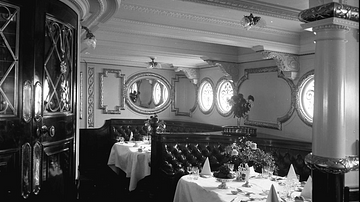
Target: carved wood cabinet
(38, 65)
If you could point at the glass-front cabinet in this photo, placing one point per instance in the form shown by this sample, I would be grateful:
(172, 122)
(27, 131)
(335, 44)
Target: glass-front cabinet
(38, 65)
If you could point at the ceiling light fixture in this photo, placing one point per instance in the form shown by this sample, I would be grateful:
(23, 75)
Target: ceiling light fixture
(153, 64)
(249, 21)
(90, 39)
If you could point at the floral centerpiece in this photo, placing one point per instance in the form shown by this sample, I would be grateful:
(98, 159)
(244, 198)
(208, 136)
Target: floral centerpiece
(154, 121)
(246, 151)
(240, 106)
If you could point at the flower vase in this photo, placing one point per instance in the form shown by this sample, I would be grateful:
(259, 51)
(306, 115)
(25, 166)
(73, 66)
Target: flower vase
(238, 122)
(244, 174)
(247, 176)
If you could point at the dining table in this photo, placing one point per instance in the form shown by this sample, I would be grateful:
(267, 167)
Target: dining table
(133, 158)
(258, 188)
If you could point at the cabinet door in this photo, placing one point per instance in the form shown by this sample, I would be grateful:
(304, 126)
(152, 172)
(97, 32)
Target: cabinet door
(37, 100)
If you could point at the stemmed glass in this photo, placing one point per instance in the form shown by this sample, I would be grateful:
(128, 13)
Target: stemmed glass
(290, 185)
(193, 172)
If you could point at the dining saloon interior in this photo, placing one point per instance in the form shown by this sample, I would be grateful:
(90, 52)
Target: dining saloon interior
(180, 81)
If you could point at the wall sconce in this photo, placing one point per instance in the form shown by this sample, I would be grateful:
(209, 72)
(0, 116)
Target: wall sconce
(90, 39)
(249, 21)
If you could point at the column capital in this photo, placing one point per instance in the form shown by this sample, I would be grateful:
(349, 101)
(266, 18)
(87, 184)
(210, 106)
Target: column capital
(330, 16)
(331, 23)
(330, 10)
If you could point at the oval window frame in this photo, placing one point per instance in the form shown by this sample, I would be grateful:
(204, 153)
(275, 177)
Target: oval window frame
(200, 103)
(303, 83)
(219, 84)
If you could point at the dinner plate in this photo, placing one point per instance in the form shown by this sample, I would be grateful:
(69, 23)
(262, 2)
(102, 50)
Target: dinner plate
(205, 175)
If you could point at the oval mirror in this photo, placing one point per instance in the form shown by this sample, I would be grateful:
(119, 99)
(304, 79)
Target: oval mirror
(147, 93)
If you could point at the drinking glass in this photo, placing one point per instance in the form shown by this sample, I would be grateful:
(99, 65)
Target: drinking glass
(121, 140)
(195, 172)
(265, 171)
(189, 172)
(271, 171)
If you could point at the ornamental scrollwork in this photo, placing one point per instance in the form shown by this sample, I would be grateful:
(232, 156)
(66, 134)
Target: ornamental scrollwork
(332, 165)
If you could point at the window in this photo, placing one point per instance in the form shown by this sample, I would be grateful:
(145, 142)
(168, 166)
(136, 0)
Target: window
(224, 91)
(305, 98)
(206, 96)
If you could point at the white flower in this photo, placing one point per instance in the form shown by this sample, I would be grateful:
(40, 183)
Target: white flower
(234, 152)
(253, 146)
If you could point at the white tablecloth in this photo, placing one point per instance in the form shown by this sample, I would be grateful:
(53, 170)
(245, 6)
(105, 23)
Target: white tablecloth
(134, 163)
(206, 189)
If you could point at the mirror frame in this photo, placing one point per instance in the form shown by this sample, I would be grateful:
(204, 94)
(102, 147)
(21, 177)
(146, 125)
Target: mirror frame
(142, 110)
(121, 89)
(280, 120)
(173, 97)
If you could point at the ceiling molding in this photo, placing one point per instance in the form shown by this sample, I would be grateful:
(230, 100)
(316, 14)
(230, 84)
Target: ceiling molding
(150, 29)
(93, 12)
(253, 6)
(198, 18)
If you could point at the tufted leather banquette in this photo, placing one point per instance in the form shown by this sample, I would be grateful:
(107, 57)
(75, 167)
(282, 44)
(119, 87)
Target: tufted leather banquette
(95, 144)
(173, 152)
(183, 144)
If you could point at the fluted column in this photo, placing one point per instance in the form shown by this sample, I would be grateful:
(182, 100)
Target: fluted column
(328, 159)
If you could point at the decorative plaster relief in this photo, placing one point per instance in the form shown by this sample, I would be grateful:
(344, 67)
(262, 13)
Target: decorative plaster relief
(274, 124)
(190, 73)
(90, 97)
(285, 62)
(119, 79)
(174, 108)
(229, 69)
(330, 10)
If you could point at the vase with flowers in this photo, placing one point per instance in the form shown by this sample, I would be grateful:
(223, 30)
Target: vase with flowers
(240, 106)
(245, 153)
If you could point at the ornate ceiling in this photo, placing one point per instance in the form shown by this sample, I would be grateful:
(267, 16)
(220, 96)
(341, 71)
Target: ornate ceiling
(190, 33)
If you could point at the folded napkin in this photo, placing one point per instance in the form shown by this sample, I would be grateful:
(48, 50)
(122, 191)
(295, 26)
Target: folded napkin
(206, 168)
(252, 171)
(273, 196)
(291, 174)
(307, 191)
(131, 136)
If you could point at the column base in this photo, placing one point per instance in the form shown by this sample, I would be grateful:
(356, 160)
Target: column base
(327, 187)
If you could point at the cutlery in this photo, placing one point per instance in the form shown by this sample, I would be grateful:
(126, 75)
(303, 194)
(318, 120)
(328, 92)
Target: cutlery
(234, 199)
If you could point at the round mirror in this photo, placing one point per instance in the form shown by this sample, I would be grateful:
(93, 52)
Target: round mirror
(147, 93)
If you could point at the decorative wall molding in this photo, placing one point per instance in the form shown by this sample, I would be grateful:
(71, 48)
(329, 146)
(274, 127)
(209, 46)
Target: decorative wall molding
(90, 96)
(117, 109)
(280, 120)
(173, 97)
(81, 96)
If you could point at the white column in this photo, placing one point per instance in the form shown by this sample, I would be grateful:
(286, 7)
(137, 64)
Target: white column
(329, 129)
